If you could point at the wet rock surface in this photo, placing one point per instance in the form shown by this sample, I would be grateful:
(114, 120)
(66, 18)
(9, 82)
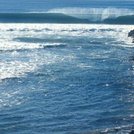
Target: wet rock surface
(131, 34)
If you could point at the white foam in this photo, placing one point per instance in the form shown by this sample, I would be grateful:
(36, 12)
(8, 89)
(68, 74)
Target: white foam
(17, 68)
(120, 32)
(18, 46)
(16, 64)
(93, 13)
(10, 98)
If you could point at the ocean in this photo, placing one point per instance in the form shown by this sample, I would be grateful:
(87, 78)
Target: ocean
(67, 72)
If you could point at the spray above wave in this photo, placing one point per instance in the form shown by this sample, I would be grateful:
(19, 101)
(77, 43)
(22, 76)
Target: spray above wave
(94, 14)
(99, 15)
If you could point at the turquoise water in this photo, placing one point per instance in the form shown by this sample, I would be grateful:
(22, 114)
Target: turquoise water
(66, 79)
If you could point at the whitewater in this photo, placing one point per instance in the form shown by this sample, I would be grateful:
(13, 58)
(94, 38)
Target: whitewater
(66, 69)
(66, 78)
(94, 14)
(16, 38)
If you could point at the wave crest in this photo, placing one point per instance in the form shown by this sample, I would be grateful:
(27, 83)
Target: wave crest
(94, 14)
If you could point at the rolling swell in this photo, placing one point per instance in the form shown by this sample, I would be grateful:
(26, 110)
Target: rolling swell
(39, 18)
(129, 19)
(61, 18)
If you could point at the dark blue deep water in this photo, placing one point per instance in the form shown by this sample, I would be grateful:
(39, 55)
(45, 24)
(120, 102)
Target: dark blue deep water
(66, 78)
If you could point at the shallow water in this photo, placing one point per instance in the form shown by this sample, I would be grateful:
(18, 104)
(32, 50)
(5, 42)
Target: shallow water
(66, 78)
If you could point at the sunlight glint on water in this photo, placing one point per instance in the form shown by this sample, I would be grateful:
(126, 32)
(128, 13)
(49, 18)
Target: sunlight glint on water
(66, 77)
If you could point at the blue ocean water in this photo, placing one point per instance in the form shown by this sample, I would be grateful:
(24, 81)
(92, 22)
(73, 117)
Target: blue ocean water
(61, 73)
(44, 5)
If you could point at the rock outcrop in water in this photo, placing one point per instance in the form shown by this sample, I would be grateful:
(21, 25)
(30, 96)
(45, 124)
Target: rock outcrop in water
(132, 132)
(131, 34)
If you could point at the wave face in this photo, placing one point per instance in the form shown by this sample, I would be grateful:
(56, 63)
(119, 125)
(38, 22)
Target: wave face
(73, 15)
(95, 14)
(39, 18)
(129, 19)
(98, 15)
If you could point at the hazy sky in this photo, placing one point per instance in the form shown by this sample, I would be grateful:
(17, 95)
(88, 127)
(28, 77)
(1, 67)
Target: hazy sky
(42, 5)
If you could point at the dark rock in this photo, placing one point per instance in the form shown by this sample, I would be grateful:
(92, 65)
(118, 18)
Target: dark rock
(132, 132)
(131, 58)
(131, 34)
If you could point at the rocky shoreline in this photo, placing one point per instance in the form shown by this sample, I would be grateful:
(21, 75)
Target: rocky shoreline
(131, 34)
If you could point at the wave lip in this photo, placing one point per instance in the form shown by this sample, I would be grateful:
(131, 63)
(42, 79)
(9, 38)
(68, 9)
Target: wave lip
(94, 14)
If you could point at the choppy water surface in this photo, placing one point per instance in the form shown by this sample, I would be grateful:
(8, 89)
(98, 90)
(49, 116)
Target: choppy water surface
(66, 78)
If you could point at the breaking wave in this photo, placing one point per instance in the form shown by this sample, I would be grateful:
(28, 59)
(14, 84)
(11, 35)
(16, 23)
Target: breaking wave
(99, 14)
(73, 15)
(95, 14)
